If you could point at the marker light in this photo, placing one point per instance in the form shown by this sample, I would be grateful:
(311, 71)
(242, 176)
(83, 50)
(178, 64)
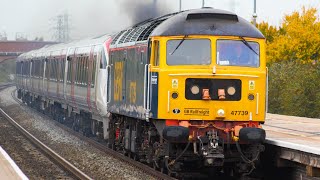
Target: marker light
(231, 90)
(195, 90)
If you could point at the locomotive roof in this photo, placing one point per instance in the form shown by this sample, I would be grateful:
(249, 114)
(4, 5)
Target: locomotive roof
(205, 21)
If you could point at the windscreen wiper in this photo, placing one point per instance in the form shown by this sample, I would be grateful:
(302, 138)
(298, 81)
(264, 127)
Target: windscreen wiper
(184, 37)
(247, 44)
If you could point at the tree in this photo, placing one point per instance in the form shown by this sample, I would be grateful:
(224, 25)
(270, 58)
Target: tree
(270, 32)
(297, 39)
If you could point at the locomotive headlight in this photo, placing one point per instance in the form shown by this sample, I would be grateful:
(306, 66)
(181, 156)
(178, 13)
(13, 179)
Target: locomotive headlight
(231, 90)
(195, 89)
(220, 112)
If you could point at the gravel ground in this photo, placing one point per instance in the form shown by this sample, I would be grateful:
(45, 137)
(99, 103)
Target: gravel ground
(31, 161)
(93, 162)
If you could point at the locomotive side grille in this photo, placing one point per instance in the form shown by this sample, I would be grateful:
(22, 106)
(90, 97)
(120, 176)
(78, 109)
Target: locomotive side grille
(213, 85)
(145, 34)
(115, 39)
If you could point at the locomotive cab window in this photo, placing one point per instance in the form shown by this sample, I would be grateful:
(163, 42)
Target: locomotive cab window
(189, 52)
(156, 53)
(238, 53)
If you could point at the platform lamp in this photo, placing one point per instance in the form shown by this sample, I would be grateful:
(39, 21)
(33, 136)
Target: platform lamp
(254, 15)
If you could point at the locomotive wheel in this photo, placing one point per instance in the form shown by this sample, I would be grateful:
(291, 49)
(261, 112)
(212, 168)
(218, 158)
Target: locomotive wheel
(154, 166)
(135, 157)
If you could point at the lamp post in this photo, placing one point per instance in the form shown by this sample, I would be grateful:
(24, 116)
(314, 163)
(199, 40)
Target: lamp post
(202, 3)
(180, 5)
(254, 15)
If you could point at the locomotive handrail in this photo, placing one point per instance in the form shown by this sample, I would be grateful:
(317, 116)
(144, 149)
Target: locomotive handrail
(168, 106)
(267, 90)
(144, 86)
(257, 107)
(108, 84)
(146, 90)
(149, 91)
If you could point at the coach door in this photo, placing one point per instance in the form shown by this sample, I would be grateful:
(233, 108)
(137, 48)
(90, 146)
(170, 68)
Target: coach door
(73, 76)
(94, 83)
(89, 77)
(43, 70)
(31, 75)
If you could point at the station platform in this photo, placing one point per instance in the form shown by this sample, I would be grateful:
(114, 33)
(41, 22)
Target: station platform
(8, 168)
(293, 132)
(294, 142)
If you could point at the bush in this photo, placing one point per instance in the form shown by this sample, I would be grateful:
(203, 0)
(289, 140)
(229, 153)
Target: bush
(294, 89)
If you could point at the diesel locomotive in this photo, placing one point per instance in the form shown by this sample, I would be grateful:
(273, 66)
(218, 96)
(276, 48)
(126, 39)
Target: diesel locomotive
(180, 92)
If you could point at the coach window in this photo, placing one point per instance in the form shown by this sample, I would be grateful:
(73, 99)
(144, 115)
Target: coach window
(94, 70)
(78, 77)
(41, 68)
(62, 69)
(83, 69)
(54, 71)
(47, 69)
(156, 53)
(57, 73)
(35, 68)
(32, 69)
(103, 61)
(69, 69)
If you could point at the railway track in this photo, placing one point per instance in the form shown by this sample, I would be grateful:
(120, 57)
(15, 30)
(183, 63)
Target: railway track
(5, 85)
(53, 155)
(148, 170)
(75, 172)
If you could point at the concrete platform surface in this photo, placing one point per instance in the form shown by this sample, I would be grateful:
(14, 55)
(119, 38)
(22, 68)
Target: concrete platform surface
(293, 132)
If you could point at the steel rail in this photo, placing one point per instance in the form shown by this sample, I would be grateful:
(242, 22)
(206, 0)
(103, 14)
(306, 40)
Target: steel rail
(144, 168)
(60, 160)
(152, 172)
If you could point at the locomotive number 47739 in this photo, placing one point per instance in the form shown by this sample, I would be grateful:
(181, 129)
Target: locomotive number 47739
(241, 113)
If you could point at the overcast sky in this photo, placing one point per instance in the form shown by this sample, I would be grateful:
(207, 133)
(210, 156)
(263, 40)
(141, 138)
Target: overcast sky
(36, 18)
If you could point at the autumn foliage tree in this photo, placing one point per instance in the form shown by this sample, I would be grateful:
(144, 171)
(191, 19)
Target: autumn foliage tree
(297, 39)
(270, 32)
(294, 64)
